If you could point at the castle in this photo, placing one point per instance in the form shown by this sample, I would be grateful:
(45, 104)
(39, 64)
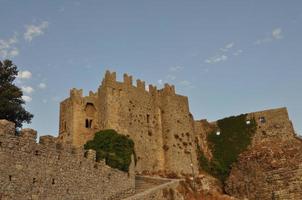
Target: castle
(166, 137)
(159, 122)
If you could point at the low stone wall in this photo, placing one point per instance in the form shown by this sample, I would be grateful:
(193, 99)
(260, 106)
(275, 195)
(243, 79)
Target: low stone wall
(51, 171)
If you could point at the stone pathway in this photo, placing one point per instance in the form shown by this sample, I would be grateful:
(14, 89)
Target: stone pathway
(146, 184)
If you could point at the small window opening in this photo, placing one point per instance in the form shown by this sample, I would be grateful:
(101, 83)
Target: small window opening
(34, 180)
(0, 144)
(262, 119)
(148, 118)
(36, 152)
(88, 123)
(53, 181)
(10, 177)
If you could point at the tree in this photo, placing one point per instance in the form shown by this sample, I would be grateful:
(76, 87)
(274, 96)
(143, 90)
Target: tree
(11, 102)
(115, 148)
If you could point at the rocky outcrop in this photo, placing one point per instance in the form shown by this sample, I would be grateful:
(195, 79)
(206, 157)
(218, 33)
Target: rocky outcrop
(268, 170)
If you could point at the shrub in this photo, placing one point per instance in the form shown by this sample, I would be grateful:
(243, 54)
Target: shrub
(115, 148)
(234, 138)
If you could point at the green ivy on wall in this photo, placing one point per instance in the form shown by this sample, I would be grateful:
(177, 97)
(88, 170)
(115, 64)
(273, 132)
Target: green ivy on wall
(233, 136)
(115, 148)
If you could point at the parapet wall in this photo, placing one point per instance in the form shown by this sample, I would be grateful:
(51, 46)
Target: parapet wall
(50, 170)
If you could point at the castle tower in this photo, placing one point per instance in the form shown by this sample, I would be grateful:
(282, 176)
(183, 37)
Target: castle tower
(158, 121)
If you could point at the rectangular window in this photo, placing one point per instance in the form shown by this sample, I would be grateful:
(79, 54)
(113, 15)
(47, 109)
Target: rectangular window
(88, 123)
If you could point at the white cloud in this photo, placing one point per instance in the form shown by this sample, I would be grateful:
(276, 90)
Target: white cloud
(176, 68)
(42, 85)
(227, 47)
(27, 89)
(33, 31)
(26, 98)
(24, 74)
(216, 59)
(8, 48)
(238, 52)
(276, 34)
(160, 82)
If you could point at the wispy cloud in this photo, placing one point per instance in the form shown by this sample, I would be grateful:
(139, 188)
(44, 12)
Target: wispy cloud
(26, 98)
(42, 85)
(160, 82)
(176, 68)
(238, 52)
(27, 89)
(8, 48)
(222, 54)
(227, 47)
(216, 59)
(185, 83)
(33, 31)
(24, 74)
(276, 34)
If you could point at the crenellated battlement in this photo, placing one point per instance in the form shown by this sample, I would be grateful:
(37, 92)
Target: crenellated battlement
(76, 93)
(127, 80)
(110, 80)
(140, 84)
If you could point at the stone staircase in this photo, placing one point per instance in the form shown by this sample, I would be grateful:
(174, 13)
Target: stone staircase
(145, 187)
(142, 184)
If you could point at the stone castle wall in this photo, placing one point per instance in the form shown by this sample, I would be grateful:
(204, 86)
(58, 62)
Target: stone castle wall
(159, 122)
(268, 170)
(272, 124)
(271, 167)
(48, 170)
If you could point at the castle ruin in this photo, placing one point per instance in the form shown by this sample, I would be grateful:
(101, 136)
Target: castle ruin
(166, 138)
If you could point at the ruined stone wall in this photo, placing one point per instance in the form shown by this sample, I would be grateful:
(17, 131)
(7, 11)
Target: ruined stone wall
(78, 118)
(272, 124)
(158, 121)
(268, 170)
(271, 167)
(50, 171)
(202, 128)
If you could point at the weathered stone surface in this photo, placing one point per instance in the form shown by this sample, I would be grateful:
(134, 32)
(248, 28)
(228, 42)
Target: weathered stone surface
(45, 171)
(268, 170)
(159, 122)
(7, 127)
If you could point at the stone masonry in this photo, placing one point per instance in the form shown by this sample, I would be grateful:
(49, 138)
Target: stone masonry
(271, 168)
(49, 170)
(159, 122)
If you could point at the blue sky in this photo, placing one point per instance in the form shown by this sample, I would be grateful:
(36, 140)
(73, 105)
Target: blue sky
(229, 57)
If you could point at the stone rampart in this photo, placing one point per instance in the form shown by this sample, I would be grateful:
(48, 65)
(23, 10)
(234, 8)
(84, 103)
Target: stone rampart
(50, 170)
